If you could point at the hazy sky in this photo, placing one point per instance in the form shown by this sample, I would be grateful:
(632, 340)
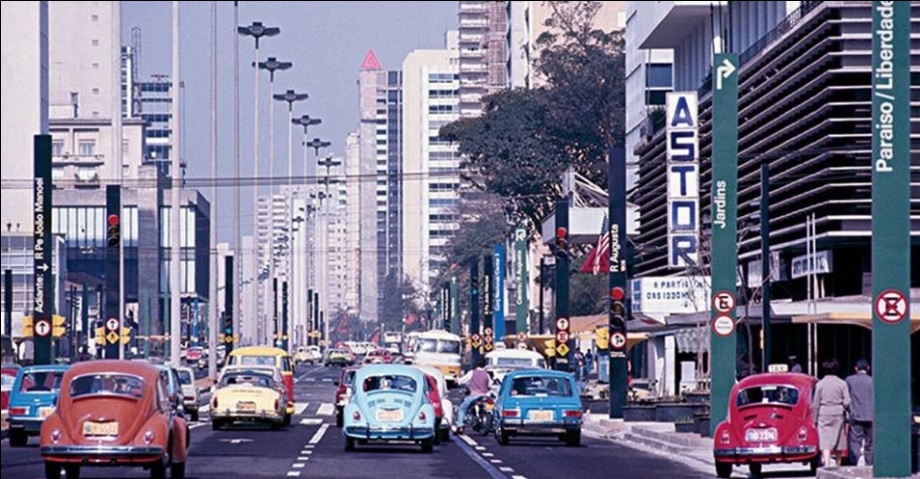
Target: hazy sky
(326, 42)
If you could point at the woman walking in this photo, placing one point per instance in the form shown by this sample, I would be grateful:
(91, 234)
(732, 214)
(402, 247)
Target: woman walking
(829, 405)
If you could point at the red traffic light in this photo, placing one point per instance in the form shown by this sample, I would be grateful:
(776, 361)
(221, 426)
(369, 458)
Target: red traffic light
(561, 232)
(617, 294)
(113, 220)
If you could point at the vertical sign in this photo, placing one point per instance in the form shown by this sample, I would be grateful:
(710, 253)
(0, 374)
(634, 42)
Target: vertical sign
(229, 330)
(41, 250)
(8, 302)
(311, 340)
(683, 178)
(488, 334)
(564, 354)
(724, 230)
(616, 186)
(275, 325)
(318, 324)
(475, 337)
(498, 291)
(284, 315)
(454, 306)
(113, 310)
(521, 305)
(891, 236)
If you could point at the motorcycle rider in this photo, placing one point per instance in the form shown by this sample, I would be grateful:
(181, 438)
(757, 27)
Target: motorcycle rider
(478, 381)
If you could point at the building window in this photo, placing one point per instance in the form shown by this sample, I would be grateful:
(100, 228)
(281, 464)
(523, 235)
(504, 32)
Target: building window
(95, 18)
(57, 148)
(95, 42)
(57, 173)
(87, 148)
(658, 75)
(95, 91)
(95, 66)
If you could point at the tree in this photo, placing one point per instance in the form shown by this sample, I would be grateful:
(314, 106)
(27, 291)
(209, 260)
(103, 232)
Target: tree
(399, 295)
(524, 140)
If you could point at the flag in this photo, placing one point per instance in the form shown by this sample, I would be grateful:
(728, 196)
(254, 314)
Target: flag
(598, 260)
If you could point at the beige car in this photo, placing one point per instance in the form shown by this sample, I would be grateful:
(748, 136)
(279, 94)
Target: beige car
(248, 395)
(190, 393)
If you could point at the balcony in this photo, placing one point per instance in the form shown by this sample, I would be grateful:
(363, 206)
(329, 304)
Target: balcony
(77, 160)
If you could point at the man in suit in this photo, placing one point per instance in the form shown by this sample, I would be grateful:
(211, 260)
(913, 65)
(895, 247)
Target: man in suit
(861, 412)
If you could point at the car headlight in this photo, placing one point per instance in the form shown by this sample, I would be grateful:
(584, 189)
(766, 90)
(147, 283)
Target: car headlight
(56, 436)
(148, 437)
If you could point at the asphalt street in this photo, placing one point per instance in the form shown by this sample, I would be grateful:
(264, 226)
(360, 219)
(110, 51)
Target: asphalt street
(313, 447)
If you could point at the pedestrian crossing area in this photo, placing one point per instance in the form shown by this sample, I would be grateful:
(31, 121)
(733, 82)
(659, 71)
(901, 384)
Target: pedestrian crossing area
(304, 409)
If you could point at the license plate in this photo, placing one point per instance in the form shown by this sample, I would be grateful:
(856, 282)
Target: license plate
(389, 415)
(540, 415)
(760, 435)
(100, 428)
(46, 411)
(246, 406)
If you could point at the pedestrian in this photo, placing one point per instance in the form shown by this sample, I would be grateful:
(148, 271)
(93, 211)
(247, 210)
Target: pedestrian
(861, 412)
(794, 366)
(589, 363)
(579, 365)
(829, 406)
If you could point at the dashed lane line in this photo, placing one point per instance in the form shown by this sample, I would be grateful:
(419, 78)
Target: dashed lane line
(311, 421)
(293, 474)
(319, 434)
(469, 440)
(506, 469)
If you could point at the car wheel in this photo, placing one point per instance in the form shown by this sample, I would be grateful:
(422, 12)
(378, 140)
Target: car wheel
(158, 470)
(815, 464)
(287, 419)
(349, 444)
(573, 438)
(216, 424)
(427, 445)
(72, 471)
(52, 470)
(177, 470)
(502, 438)
(339, 418)
(18, 438)
(723, 470)
(756, 470)
(445, 434)
(193, 415)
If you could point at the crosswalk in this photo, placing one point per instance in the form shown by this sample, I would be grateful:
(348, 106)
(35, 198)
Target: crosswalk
(306, 409)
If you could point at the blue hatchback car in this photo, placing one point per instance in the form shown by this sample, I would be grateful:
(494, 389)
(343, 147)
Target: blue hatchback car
(538, 402)
(34, 396)
(389, 403)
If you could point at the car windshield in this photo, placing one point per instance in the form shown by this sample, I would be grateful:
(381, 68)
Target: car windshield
(349, 378)
(389, 382)
(107, 383)
(251, 379)
(449, 347)
(41, 381)
(256, 361)
(185, 377)
(540, 386)
(769, 394)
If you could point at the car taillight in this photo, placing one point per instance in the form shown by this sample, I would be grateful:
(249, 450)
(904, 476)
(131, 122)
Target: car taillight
(421, 415)
(510, 413)
(56, 436)
(356, 416)
(19, 411)
(277, 404)
(725, 437)
(214, 403)
(148, 437)
(573, 413)
(803, 434)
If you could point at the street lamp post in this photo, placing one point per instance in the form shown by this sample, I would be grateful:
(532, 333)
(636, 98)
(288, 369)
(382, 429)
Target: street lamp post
(256, 30)
(328, 162)
(306, 121)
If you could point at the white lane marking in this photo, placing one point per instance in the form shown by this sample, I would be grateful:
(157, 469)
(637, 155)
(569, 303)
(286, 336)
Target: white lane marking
(506, 469)
(319, 434)
(518, 477)
(307, 452)
(325, 409)
(468, 440)
(480, 448)
(308, 446)
(311, 421)
(299, 407)
(487, 454)
(303, 458)
(298, 465)
(293, 474)
(495, 461)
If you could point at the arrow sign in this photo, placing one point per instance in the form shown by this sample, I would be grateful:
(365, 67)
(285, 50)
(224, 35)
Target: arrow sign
(724, 70)
(42, 327)
(43, 267)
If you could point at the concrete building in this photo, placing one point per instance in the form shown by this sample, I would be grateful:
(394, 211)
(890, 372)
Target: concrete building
(431, 179)
(804, 106)
(353, 222)
(24, 90)
(483, 53)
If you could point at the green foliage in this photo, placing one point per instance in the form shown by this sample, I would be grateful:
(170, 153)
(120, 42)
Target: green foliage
(399, 297)
(587, 292)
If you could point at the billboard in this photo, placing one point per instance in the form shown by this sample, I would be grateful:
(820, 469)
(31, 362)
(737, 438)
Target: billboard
(683, 179)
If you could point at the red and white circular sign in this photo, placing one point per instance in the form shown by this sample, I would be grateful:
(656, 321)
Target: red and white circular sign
(111, 324)
(562, 323)
(891, 306)
(618, 340)
(723, 301)
(562, 336)
(723, 326)
(488, 332)
(522, 336)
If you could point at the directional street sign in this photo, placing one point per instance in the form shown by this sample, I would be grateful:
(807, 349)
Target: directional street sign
(42, 327)
(562, 349)
(891, 306)
(562, 323)
(111, 324)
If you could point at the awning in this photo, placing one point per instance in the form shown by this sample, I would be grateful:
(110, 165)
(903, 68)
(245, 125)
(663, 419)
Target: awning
(855, 319)
(692, 340)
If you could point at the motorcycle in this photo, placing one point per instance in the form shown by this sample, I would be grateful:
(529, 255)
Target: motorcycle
(479, 416)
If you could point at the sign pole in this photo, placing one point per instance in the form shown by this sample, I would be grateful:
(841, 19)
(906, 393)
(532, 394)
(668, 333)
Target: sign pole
(112, 272)
(42, 248)
(486, 293)
(724, 232)
(564, 353)
(229, 329)
(619, 308)
(522, 306)
(475, 338)
(498, 290)
(454, 306)
(891, 173)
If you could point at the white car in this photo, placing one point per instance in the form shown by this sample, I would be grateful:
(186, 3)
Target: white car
(305, 355)
(446, 405)
(499, 363)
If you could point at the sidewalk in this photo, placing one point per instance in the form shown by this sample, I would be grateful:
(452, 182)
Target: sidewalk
(661, 437)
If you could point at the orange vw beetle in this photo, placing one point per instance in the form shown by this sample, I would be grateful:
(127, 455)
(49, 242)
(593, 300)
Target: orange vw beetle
(114, 413)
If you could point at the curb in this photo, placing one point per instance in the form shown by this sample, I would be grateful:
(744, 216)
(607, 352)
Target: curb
(848, 472)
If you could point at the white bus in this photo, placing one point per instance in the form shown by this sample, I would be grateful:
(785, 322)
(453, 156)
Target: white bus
(439, 349)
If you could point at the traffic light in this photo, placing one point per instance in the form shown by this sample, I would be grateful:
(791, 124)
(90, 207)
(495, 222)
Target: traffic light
(59, 328)
(617, 307)
(474, 285)
(562, 242)
(228, 325)
(113, 232)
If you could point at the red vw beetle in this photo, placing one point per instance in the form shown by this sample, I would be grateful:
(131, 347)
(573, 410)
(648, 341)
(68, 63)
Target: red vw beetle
(114, 413)
(769, 421)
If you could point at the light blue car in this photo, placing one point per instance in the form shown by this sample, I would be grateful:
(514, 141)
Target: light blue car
(389, 403)
(33, 398)
(538, 402)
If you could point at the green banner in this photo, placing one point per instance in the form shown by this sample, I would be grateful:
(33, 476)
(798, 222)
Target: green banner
(454, 306)
(891, 361)
(522, 308)
(724, 231)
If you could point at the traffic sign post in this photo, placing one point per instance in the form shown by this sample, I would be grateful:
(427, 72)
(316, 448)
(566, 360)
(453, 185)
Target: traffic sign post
(614, 355)
(476, 343)
(724, 216)
(564, 360)
(486, 295)
(891, 244)
(113, 309)
(42, 248)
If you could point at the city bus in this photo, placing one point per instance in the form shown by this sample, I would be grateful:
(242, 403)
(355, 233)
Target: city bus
(439, 349)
